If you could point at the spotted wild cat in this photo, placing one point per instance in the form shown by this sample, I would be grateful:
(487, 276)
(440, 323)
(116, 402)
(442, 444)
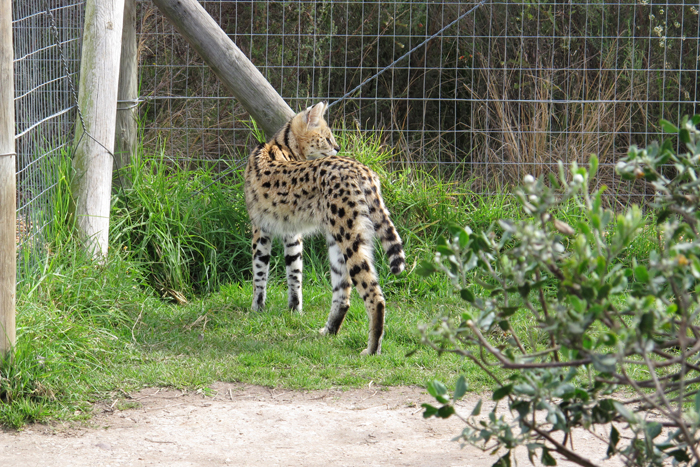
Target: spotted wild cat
(296, 185)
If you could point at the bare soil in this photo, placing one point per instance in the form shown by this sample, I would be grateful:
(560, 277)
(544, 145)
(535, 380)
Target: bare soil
(245, 425)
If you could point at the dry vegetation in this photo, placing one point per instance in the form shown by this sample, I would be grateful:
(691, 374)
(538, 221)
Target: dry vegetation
(504, 93)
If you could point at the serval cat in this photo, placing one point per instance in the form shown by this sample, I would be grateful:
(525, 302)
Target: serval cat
(296, 185)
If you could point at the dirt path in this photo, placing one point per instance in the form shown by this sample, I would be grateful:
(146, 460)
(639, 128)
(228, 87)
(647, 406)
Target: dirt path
(253, 426)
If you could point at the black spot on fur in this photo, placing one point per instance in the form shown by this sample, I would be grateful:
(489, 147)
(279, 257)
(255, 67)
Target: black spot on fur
(334, 325)
(394, 250)
(293, 301)
(396, 265)
(286, 134)
(289, 259)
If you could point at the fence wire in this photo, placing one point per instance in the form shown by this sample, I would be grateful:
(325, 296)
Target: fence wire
(508, 89)
(44, 111)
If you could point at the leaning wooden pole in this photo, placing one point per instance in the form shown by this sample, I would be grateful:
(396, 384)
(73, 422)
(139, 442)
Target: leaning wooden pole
(227, 61)
(97, 100)
(8, 201)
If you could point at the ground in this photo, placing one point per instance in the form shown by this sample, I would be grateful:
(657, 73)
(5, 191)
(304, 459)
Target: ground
(243, 425)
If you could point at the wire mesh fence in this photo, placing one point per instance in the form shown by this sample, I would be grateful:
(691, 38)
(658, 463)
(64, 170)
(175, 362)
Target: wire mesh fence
(509, 89)
(503, 89)
(44, 109)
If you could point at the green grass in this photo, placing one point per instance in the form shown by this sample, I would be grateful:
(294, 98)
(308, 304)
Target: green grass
(88, 331)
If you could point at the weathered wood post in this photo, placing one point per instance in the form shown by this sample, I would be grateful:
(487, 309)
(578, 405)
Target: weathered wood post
(8, 201)
(127, 96)
(227, 61)
(97, 99)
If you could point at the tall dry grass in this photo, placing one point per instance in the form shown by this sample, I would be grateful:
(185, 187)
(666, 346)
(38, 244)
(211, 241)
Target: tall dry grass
(529, 136)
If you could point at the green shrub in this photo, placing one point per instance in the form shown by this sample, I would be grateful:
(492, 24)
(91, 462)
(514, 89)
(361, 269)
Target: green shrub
(585, 335)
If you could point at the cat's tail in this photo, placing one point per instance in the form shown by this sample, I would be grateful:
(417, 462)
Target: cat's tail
(383, 227)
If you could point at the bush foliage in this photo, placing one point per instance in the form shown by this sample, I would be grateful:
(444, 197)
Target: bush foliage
(608, 340)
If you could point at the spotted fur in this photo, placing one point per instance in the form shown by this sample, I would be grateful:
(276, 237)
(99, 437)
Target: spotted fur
(296, 185)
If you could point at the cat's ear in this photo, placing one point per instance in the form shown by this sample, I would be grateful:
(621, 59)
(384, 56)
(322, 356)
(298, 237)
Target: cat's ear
(314, 114)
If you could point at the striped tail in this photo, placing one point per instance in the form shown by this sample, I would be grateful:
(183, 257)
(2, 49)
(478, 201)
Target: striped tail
(384, 228)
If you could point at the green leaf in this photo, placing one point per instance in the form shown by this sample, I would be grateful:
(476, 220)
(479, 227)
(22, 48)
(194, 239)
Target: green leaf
(467, 295)
(668, 127)
(587, 342)
(612, 443)
(553, 181)
(603, 411)
(426, 268)
(680, 455)
(582, 395)
(503, 461)
(604, 363)
(502, 392)
(684, 135)
(485, 285)
(662, 215)
(429, 410)
(524, 290)
(445, 250)
(577, 304)
(646, 323)
(697, 402)
(522, 407)
(507, 311)
(608, 338)
(463, 239)
(625, 412)
(583, 228)
(547, 458)
(460, 388)
(477, 409)
(438, 391)
(593, 165)
(641, 274)
(445, 411)
(653, 430)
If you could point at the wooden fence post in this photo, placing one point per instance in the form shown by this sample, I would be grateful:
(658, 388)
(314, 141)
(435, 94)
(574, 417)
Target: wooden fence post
(8, 200)
(97, 100)
(227, 61)
(127, 95)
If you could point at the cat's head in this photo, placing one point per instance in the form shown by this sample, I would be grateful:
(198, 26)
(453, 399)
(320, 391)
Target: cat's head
(312, 133)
